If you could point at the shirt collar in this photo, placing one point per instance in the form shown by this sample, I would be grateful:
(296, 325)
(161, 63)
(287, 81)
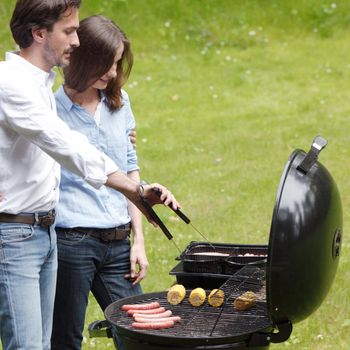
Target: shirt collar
(67, 102)
(103, 97)
(46, 78)
(61, 96)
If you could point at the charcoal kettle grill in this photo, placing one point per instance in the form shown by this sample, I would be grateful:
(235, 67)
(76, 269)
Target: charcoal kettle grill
(302, 258)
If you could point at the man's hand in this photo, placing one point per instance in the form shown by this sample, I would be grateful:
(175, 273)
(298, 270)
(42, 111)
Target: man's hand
(158, 194)
(154, 193)
(132, 136)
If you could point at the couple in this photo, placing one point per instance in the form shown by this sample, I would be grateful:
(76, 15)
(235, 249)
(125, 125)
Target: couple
(95, 216)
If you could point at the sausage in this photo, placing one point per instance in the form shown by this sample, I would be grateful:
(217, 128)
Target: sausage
(148, 306)
(166, 313)
(153, 325)
(211, 254)
(149, 312)
(155, 320)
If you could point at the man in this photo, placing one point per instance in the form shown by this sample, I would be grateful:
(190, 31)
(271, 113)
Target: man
(33, 140)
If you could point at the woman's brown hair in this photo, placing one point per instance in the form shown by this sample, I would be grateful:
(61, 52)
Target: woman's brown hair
(99, 40)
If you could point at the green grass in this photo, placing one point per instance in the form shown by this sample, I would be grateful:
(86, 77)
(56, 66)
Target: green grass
(223, 92)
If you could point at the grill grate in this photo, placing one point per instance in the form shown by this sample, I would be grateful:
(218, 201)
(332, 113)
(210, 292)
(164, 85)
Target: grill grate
(207, 321)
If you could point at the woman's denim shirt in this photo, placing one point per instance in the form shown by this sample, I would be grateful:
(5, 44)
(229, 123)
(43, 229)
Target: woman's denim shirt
(80, 204)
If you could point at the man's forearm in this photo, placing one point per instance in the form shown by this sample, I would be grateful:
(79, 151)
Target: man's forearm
(122, 183)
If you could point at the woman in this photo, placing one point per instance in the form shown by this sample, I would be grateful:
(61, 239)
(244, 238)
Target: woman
(93, 226)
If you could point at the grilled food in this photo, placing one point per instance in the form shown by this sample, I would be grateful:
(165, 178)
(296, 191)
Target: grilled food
(216, 297)
(197, 297)
(176, 294)
(144, 306)
(245, 301)
(153, 325)
(155, 320)
(211, 254)
(166, 313)
(146, 312)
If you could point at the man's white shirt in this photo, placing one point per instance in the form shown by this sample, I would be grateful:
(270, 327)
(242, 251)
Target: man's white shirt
(33, 140)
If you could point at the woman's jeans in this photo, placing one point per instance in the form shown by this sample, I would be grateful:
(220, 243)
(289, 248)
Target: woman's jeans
(28, 266)
(86, 263)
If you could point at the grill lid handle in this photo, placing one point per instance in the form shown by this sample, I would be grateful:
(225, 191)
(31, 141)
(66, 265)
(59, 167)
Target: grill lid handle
(100, 329)
(263, 339)
(284, 332)
(318, 144)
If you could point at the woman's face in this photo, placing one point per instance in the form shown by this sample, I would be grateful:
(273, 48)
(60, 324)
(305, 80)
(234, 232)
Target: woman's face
(103, 81)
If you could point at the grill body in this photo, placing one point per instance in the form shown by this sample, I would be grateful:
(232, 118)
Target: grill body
(134, 344)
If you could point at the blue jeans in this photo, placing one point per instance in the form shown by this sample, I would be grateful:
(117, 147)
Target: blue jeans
(28, 266)
(86, 263)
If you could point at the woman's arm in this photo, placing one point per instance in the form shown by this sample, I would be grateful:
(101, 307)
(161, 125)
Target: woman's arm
(137, 254)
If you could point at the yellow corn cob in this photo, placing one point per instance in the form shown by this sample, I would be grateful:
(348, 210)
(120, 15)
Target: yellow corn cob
(216, 297)
(245, 301)
(197, 297)
(176, 294)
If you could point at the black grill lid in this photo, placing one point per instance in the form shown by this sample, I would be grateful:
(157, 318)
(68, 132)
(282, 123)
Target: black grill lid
(305, 237)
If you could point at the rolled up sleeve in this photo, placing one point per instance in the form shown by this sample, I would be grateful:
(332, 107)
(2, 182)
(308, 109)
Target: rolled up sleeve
(35, 121)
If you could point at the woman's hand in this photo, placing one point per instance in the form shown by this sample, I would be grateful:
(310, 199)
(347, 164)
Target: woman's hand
(138, 263)
(132, 136)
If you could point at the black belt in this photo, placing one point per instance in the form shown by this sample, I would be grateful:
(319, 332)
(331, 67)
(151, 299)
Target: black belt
(104, 234)
(44, 220)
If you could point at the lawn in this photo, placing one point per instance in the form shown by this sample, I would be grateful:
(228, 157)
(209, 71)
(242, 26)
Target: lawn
(223, 92)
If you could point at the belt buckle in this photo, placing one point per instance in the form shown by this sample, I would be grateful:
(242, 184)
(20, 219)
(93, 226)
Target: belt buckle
(116, 234)
(107, 236)
(48, 220)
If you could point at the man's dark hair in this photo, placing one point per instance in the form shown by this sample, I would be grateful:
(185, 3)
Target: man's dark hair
(29, 14)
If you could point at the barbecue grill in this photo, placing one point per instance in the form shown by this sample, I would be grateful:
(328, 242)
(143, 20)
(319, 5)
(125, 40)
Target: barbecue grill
(301, 263)
(217, 328)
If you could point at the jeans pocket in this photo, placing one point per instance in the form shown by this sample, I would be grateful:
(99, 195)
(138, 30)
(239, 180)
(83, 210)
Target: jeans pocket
(70, 237)
(11, 233)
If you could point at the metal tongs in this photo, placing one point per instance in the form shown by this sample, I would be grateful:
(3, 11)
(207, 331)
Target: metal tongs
(158, 221)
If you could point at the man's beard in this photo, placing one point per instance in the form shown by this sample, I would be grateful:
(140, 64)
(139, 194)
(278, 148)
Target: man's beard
(52, 58)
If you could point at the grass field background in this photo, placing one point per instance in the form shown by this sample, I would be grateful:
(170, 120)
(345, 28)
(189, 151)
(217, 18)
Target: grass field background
(223, 92)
